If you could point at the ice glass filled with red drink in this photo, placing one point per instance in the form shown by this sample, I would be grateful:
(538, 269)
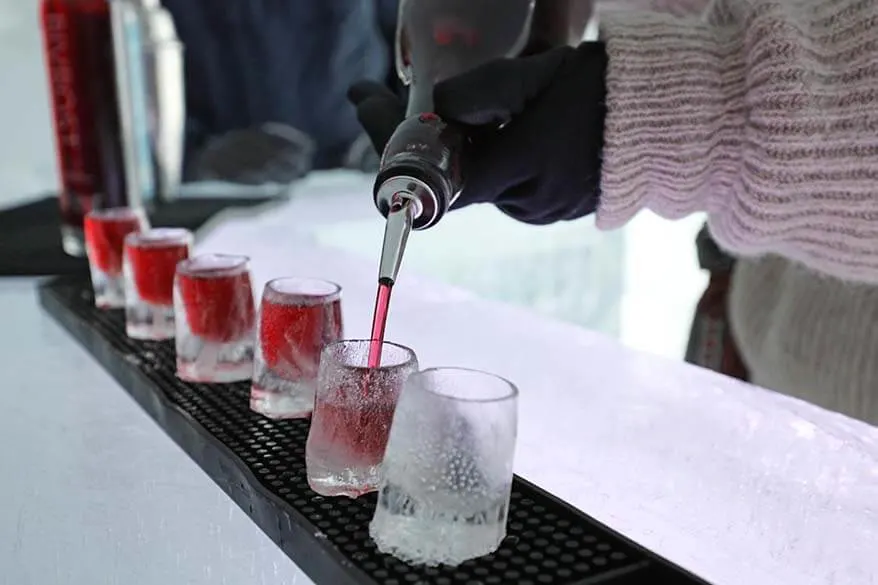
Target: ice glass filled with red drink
(352, 416)
(298, 317)
(215, 318)
(105, 232)
(150, 262)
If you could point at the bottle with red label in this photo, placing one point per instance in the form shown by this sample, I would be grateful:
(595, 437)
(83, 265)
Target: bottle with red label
(78, 48)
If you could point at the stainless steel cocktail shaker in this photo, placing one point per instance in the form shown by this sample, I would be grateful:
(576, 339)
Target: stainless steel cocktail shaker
(151, 95)
(166, 93)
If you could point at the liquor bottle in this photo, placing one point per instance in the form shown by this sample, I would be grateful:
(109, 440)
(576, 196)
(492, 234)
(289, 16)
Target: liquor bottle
(78, 47)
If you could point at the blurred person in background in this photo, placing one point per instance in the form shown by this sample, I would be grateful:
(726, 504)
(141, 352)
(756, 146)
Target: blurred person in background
(281, 62)
(761, 113)
(284, 67)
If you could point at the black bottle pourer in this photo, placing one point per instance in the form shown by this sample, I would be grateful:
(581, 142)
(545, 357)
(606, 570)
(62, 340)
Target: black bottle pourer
(421, 163)
(419, 179)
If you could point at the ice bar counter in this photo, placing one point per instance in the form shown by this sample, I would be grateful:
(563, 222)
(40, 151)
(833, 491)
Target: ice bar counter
(726, 482)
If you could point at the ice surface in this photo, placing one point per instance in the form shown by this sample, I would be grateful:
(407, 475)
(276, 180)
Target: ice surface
(733, 482)
(210, 263)
(160, 237)
(302, 291)
(466, 385)
(116, 213)
(109, 289)
(145, 320)
(354, 353)
(438, 529)
(275, 397)
(200, 360)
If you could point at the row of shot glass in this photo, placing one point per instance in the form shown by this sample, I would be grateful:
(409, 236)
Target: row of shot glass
(437, 444)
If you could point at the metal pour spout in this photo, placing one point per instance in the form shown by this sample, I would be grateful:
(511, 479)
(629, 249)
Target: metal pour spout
(396, 235)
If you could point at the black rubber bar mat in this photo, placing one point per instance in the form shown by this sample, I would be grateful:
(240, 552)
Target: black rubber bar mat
(260, 464)
(30, 236)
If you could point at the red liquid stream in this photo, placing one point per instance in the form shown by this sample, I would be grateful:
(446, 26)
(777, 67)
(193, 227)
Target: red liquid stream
(379, 323)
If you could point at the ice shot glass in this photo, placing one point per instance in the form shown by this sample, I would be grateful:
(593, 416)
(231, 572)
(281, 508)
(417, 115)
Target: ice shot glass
(352, 416)
(214, 316)
(151, 259)
(298, 317)
(105, 232)
(447, 472)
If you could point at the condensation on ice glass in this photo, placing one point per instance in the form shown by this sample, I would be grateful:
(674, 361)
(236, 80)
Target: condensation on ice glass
(548, 542)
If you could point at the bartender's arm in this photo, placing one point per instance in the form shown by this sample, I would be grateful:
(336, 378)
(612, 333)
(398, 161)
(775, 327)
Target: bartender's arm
(760, 113)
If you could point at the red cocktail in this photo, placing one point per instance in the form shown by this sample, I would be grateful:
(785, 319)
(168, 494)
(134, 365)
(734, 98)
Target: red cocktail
(151, 260)
(105, 232)
(353, 412)
(215, 317)
(298, 317)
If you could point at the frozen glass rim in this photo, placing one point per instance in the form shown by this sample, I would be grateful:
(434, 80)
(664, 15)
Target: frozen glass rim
(213, 265)
(159, 237)
(302, 290)
(112, 213)
(464, 385)
(401, 355)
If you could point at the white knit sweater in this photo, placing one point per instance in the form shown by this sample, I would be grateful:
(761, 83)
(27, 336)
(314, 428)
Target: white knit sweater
(764, 114)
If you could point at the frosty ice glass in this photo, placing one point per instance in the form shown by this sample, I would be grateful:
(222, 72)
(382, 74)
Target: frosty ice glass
(297, 319)
(214, 315)
(151, 259)
(352, 416)
(105, 232)
(447, 472)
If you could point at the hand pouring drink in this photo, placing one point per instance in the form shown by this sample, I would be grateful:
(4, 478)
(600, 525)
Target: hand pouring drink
(420, 174)
(445, 499)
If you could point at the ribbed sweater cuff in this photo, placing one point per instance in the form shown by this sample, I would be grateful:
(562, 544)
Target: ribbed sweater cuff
(675, 90)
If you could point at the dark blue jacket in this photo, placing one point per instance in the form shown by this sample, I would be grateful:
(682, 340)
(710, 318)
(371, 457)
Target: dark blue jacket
(291, 61)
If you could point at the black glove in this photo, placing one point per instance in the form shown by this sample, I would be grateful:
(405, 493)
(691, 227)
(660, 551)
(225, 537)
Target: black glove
(535, 126)
(270, 153)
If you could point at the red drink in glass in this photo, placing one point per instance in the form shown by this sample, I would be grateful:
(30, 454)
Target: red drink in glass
(218, 308)
(215, 317)
(151, 260)
(105, 232)
(353, 412)
(77, 43)
(298, 317)
(291, 337)
(356, 432)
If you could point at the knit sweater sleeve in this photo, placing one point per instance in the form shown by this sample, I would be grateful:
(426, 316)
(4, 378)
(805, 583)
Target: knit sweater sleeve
(762, 113)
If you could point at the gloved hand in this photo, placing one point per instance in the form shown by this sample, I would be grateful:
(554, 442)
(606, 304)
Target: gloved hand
(535, 126)
(270, 153)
